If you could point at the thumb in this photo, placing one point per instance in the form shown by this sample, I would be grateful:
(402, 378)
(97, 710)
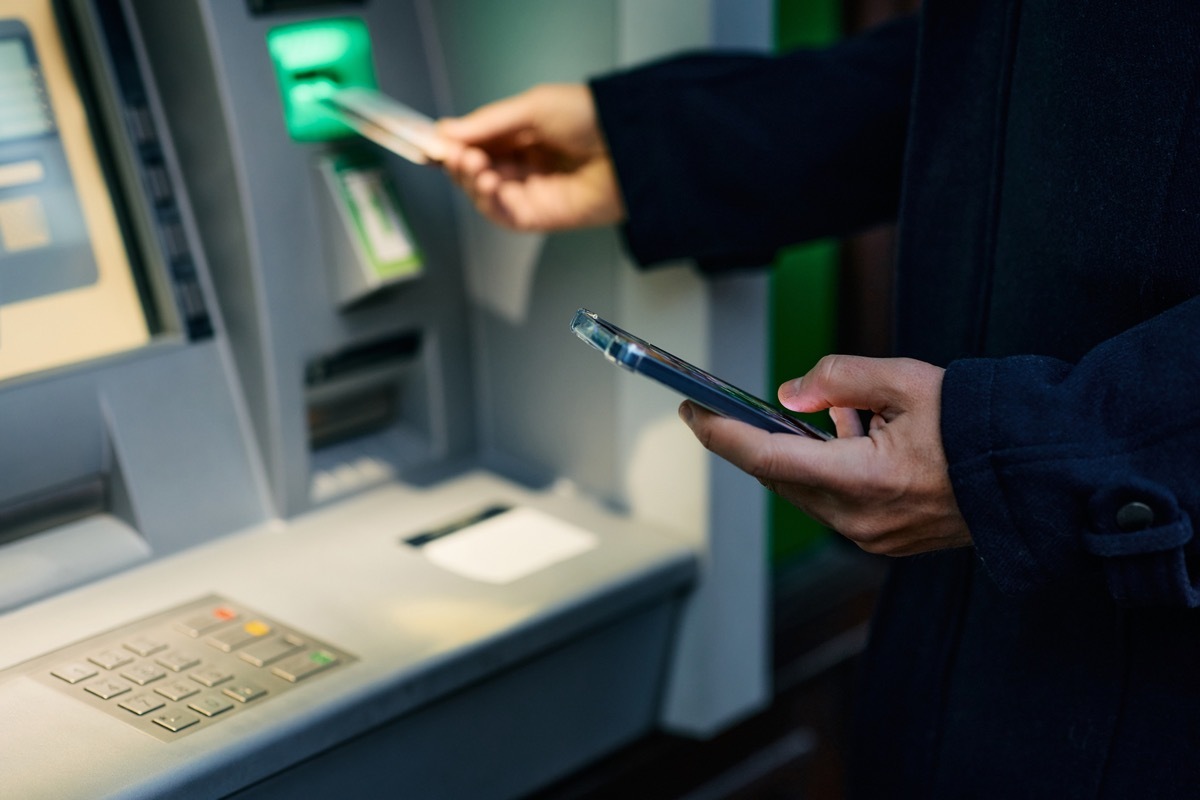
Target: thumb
(492, 121)
(848, 382)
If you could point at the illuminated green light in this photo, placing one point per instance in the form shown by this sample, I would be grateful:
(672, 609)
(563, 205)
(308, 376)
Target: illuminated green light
(321, 46)
(312, 92)
(312, 60)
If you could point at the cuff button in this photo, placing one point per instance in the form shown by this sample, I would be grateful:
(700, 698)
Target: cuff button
(1135, 516)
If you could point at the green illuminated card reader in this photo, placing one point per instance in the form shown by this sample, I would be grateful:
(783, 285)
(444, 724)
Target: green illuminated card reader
(313, 60)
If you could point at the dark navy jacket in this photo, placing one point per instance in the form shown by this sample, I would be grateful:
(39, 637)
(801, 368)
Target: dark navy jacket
(1042, 158)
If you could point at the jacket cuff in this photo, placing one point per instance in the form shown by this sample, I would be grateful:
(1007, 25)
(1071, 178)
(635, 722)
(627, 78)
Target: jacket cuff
(621, 100)
(978, 489)
(1060, 512)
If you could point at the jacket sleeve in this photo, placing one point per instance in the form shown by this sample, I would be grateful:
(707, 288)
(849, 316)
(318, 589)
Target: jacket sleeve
(725, 158)
(1069, 473)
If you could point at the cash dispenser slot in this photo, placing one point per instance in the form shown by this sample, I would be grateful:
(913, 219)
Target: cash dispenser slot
(68, 502)
(61, 537)
(358, 390)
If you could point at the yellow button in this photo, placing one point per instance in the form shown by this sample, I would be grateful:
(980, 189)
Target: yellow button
(257, 628)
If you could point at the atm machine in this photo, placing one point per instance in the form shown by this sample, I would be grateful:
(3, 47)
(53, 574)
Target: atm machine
(305, 486)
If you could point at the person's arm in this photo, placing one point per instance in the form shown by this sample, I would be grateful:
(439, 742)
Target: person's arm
(725, 158)
(1061, 475)
(1068, 472)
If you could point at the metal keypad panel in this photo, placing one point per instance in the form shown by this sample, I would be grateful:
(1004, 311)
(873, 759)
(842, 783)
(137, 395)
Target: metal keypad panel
(187, 668)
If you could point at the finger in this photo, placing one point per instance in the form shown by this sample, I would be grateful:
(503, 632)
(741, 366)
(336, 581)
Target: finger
(846, 421)
(850, 381)
(473, 162)
(835, 381)
(463, 165)
(487, 183)
(452, 153)
(772, 457)
(492, 121)
(516, 205)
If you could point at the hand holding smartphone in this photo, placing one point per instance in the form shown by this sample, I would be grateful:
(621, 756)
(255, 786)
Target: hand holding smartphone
(639, 356)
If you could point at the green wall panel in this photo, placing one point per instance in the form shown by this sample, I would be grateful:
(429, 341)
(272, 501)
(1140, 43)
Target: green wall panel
(803, 290)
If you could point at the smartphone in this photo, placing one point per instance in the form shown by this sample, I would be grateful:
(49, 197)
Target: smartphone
(716, 395)
(389, 123)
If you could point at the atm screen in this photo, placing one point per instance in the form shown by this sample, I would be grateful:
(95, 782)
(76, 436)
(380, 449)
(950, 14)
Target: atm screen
(67, 291)
(42, 229)
(23, 110)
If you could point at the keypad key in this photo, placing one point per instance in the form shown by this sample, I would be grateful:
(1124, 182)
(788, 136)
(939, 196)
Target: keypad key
(210, 676)
(304, 665)
(76, 672)
(141, 674)
(177, 660)
(238, 636)
(244, 692)
(178, 689)
(108, 688)
(199, 624)
(111, 659)
(271, 650)
(142, 704)
(177, 721)
(210, 705)
(145, 645)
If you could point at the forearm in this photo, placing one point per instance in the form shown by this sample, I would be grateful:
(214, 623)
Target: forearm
(726, 158)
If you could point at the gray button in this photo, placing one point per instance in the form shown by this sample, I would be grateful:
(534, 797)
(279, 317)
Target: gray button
(265, 652)
(178, 689)
(141, 674)
(145, 645)
(244, 692)
(210, 676)
(111, 659)
(177, 661)
(142, 704)
(108, 688)
(210, 705)
(1135, 516)
(74, 673)
(176, 722)
(304, 665)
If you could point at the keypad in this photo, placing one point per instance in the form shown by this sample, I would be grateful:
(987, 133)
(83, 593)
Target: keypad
(187, 668)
